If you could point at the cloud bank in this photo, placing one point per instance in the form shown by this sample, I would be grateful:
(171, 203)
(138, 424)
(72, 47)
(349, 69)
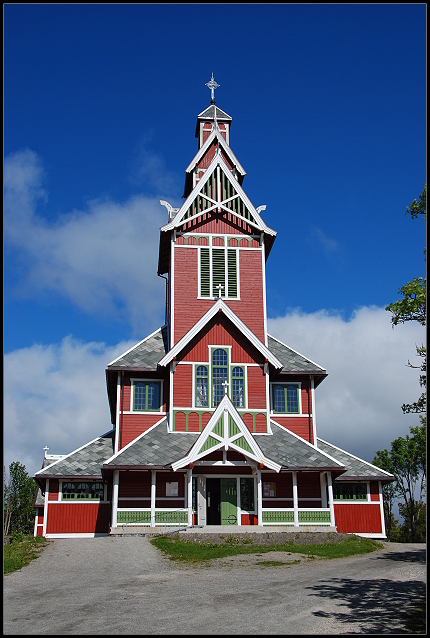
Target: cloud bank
(358, 406)
(103, 258)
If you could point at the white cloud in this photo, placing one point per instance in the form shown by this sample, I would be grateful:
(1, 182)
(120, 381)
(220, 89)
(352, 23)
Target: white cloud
(56, 396)
(103, 259)
(358, 406)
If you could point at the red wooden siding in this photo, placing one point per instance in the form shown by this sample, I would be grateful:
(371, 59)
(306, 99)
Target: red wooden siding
(78, 518)
(256, 389)
(358, 518)
(249, 519)
(374, 491)
(134, 484)
(308, 486)
(187, 308)
(54, 488)
(220, 331)
(250, 308)
(127, 404)
(168, 477)
(299, 425)
(226, 224)
(183, 385)
(284, 486)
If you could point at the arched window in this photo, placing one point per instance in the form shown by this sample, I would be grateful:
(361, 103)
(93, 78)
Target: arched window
(237, 378)
(219, 375)
(97, 491)
(68, 490)
(202, 386)
(83, 490)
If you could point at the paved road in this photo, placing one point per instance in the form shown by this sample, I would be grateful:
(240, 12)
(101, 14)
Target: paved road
(123, 585)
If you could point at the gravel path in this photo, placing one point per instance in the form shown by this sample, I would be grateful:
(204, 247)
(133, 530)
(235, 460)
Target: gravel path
(123, 585)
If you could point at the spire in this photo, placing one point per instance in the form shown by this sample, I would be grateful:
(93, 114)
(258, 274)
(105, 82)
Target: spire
(212, 85)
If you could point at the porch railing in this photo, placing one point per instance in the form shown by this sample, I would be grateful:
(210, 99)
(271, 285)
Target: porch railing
(142, 516)
(308, 516)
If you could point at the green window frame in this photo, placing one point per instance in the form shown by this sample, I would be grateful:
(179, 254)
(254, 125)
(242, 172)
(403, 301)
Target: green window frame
(219, 372)
(238, 386)
(146, 396)
(82, 490)
(202, 386)
(219, 266)
(286, 398)
(350, 491)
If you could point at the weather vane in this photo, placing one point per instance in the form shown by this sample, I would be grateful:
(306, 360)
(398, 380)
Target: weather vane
(212, 85)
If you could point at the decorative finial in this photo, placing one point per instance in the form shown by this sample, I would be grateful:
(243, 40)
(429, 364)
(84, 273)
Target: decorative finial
(212, 85)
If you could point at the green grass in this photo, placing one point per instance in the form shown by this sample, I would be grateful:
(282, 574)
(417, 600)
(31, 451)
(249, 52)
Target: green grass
(21, 551)
(189, 551)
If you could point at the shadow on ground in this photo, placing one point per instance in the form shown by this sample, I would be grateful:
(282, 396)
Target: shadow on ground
(374, 606)
(412, 556)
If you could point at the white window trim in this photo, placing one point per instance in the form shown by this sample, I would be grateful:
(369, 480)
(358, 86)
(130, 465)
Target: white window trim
(225, 248)
(134, 380)
(285, 383)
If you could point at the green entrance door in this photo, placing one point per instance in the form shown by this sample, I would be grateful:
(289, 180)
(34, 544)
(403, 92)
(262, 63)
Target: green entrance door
(228, 501)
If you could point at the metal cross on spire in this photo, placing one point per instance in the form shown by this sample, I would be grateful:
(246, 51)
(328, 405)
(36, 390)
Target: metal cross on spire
(212, 85)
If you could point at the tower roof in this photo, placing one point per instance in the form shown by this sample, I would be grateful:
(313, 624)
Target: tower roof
(209, 114)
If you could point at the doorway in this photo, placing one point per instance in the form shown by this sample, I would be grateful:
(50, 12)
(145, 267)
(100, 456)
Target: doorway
(221, 498)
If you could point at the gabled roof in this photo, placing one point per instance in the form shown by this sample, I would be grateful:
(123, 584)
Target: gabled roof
(209, 114)
(155, 448)
(294, 453)
(293, 362)
(218, 161)
(215, 135)
(220, 306)
(145, 355)
(226, 430)
(85, 462)
(356, 469)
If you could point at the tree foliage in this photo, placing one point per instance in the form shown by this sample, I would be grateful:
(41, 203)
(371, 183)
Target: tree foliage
(19, 491)
(406, 460)
(412, 307)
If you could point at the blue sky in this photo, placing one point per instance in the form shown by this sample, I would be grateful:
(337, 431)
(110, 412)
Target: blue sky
(100, 104)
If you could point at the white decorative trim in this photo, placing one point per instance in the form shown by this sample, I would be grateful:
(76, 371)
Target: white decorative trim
(205, 146)
(314, 418)
(87, 535)
(118, 403)
(225, 408)
(217, 306)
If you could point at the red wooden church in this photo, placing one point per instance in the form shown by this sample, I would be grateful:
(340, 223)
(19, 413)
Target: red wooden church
(213, 419)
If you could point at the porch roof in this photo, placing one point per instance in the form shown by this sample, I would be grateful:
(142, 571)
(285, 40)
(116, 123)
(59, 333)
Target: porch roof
(356, 469)
(294, 453)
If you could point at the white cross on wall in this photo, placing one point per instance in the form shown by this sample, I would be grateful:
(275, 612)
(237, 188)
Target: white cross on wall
(225, 384)
(219, 290)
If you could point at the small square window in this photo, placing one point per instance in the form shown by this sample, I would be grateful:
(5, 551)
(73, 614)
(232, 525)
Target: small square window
(146, 396)
(285, 399)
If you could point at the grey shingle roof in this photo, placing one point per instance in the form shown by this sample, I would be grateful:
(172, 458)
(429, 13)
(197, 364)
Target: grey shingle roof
(157, 448)
(355, 468)
(145, 354)
(292, 452)
(291, 360)
(209, 113)
(86, 461)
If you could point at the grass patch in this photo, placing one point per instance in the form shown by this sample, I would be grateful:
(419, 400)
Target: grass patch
(21, 551)
(276, 563)
(191, 551)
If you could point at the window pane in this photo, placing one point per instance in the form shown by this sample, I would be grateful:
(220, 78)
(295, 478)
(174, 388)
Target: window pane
(247, 494)
(278, 398)
(202, 386)
(139, 395)
(292, 399)
(83, 490)
(237, 390)
(97, 490)
(219, 357)
(68, 490)
(153, 396)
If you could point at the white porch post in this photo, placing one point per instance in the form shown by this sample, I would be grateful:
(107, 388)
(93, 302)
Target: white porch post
(330, 499)
(153, 487)
(239, 511)
(323, 490)
(190, 497)
(381, 505)
(115, 498)
(295, 500)
(259, 498)
(45, 507)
